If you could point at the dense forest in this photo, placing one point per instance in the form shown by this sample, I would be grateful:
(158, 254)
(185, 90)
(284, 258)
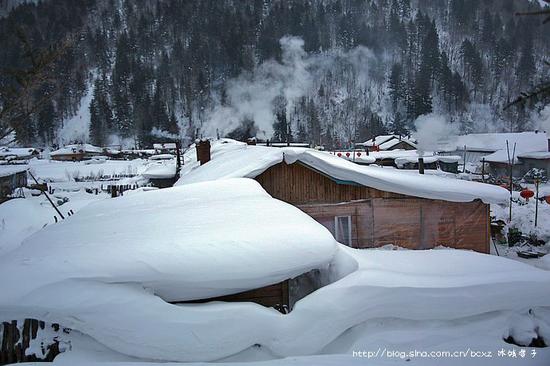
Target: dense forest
(324, 71)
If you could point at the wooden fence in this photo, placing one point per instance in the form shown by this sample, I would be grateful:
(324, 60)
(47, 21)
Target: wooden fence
(16, 340)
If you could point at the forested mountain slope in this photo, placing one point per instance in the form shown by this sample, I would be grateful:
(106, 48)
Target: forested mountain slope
(327, 71)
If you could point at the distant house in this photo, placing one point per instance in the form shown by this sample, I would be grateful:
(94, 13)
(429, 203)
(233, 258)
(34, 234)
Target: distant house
(531, 151)
(76, 152)
(364, 206)
(536, 160)
(137, 153)
(165, 148)
(523, 164)
(492, 146)
(11, 179)
(388, 142)
(18, 153)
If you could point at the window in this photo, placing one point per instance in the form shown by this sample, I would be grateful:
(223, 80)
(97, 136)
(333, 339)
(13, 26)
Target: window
(343, 229)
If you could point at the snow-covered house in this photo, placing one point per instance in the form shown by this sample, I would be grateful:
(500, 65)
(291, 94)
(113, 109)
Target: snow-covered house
(388, 142)
(192, 243)
(362, 206)
(11, 178)
(531, 151)
(18, 153)
(165, 148)
(76, 152)
(492, 146)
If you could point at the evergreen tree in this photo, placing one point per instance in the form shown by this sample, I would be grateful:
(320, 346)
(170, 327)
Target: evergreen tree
(526, 66)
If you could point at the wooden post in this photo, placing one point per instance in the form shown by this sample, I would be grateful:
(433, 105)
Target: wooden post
(464, 158)
(537, 182)
(482, 170)
(48, 197)
(421, 165)
(178, 157)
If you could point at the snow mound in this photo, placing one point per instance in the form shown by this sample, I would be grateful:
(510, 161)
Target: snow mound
(184, 243)
(435, 285)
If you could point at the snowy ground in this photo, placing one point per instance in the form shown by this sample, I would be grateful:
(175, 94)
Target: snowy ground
(19, 218)
(437, 307)
(523, 218)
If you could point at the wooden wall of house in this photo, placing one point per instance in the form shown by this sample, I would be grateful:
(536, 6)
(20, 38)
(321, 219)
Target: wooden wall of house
(298, 184)
(379, 217)
(273, 296)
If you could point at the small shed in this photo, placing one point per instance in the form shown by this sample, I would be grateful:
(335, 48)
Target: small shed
(11, 178)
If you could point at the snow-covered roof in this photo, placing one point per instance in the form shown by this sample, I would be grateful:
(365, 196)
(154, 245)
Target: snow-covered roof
(162, 157)
(491, 142)
(162, 169)
(191, 242)
(166, 145)
(427, 159)
(19, 152)
(387, 141)
(539, 155)
(77, 149)
(7, 170)
(250, 161)
(398, 153)
(393, 142)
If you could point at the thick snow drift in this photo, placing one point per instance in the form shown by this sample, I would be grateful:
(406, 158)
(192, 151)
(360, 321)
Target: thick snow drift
(409, 285)
(250, 161)
(184, 243)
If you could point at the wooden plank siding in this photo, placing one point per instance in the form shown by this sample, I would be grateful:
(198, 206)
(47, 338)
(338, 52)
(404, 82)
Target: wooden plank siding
(273, 296)
(380, 217)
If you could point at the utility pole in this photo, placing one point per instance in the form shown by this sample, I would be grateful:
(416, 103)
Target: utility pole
(48, 197)
(537, 183)
(511, 171)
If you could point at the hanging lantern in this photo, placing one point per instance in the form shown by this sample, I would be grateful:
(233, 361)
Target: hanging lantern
(359, 154)
(527, 193)
(339, 155)
(547, 199)
(347, 154)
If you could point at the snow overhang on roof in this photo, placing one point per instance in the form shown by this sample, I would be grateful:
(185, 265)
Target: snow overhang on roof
(6, 171)
(538, 155)
(251, 161)
(191, 242)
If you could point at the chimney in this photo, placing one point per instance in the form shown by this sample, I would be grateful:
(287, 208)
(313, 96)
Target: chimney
(421, 165)
(203, 151)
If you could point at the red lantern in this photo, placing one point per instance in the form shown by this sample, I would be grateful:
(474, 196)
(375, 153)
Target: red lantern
(339, 155)
(347, 154)
(527, 193)
(358, 154)
(547, 199)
